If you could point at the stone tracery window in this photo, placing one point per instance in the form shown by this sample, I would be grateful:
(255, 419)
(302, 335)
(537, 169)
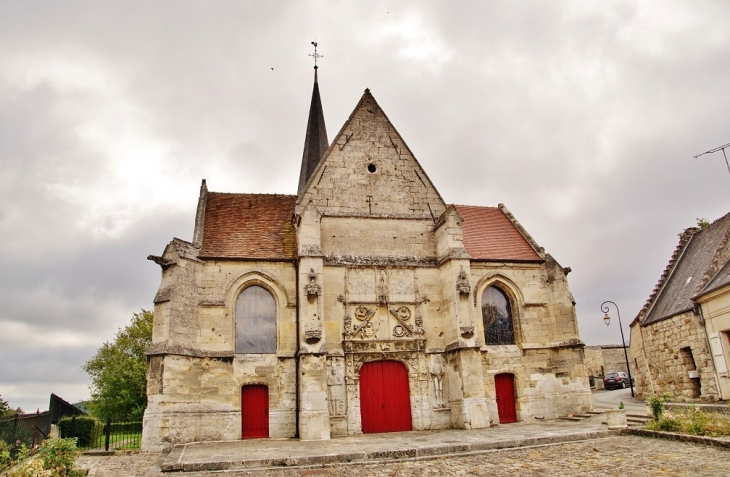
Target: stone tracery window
(255, 321)
(497, 317)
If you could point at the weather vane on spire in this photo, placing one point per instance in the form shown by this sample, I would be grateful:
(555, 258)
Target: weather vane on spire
(316, 55)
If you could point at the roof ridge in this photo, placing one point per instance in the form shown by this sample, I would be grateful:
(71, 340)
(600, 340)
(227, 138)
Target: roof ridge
(478, 206)
(254, 193)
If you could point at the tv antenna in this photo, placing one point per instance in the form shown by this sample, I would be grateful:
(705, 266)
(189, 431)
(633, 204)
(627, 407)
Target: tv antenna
(721, 148)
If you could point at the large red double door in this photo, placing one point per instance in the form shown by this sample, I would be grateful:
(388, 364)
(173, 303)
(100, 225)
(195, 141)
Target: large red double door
(385, 403)
(254, 411)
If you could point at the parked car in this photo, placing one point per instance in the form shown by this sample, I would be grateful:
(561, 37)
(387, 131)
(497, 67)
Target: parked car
(616, 380)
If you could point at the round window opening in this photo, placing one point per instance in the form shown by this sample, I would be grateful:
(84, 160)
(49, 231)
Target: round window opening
(371, 168)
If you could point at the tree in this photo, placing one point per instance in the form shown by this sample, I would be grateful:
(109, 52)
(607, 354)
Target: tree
(118, 381)
(5, 409)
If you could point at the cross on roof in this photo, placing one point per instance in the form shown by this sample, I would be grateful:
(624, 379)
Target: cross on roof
(316, 55)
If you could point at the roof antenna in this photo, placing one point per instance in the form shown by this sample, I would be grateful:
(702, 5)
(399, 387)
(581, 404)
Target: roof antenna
(721, 148)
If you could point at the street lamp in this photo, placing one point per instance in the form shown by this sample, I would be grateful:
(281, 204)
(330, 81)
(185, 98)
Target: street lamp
(607, 320)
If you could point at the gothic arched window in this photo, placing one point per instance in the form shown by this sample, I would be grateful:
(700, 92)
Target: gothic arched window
(255, 321)
(497, 317)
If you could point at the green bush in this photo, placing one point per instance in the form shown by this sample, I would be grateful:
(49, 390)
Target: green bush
(697, 422)
(55, 458)
(5, 458)
(657, 405)
(667, 424)
(86, 428)
(58, 456)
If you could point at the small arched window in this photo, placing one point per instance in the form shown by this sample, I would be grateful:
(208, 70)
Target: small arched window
(255, 321)
(497, 317)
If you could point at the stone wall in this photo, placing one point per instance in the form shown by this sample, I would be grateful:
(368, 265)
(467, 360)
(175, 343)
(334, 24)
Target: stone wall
(664, 352)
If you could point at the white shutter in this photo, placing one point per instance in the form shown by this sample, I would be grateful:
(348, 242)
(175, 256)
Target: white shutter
(718, 355)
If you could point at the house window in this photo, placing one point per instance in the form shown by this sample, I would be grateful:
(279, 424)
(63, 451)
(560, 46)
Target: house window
(497, 317)
(255, 321)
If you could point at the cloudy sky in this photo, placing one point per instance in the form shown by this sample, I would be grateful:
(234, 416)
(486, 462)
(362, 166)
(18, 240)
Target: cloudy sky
(582, 117)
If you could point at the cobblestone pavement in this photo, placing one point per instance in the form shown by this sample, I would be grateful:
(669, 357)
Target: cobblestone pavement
(612, 456)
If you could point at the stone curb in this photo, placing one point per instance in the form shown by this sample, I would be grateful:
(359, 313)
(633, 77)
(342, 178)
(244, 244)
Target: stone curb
(372, 456)
(704, 440)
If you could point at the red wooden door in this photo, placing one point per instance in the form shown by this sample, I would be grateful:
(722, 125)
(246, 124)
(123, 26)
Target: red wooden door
(254, 411)
(385, 402)
(504, 385)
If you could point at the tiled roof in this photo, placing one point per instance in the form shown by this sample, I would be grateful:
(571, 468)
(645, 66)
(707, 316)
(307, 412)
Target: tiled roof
(691, 267)
(490, 235)
(249, 226)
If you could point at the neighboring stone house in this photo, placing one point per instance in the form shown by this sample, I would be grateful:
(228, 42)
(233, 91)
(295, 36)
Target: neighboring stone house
(365, 303)
(688, 309)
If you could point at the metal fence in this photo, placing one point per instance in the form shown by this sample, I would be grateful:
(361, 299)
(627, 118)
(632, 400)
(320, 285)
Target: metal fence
(28, 429)
(92, 433)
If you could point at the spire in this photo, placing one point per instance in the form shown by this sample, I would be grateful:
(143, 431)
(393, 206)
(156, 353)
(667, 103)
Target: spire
(315, 142)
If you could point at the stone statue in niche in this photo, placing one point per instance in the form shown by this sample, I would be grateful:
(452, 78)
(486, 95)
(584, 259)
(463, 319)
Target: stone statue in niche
(437, 376)
(462, 283)
(336, 389)
(382, 288)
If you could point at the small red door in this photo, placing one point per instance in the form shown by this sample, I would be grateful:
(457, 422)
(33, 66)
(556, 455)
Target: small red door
(504, 385)
(254, 411)
(385, 402)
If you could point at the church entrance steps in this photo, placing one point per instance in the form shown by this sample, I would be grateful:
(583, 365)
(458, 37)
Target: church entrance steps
(577, 417)
(269, 453)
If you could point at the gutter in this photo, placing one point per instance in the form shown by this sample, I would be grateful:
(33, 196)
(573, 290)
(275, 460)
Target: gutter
(297, 366)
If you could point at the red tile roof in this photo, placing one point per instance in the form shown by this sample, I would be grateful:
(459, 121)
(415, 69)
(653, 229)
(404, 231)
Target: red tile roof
(490, 235)
(249, 226)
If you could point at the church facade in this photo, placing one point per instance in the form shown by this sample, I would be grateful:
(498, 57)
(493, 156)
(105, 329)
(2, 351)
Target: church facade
(365, 303)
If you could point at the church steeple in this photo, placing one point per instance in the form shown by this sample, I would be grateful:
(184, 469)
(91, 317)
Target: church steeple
(315, 143)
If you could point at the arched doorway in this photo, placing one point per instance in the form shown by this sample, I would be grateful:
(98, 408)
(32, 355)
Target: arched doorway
(254, 411)
(385, 402)
(504, 385)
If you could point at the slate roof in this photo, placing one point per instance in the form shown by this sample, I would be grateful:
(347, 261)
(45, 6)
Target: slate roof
(489, 234)
(249, 226)
(315, 142)
(691, 269)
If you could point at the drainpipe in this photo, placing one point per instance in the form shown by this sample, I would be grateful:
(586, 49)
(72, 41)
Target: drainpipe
(698, 310)
(296, 353)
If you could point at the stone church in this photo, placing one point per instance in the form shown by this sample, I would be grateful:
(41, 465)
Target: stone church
(364, 303)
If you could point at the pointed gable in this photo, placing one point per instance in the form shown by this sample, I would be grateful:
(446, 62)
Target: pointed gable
(249, 226)
(370, 171)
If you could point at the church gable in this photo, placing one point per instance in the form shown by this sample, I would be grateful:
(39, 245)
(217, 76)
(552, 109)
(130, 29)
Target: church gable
(369, 171)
